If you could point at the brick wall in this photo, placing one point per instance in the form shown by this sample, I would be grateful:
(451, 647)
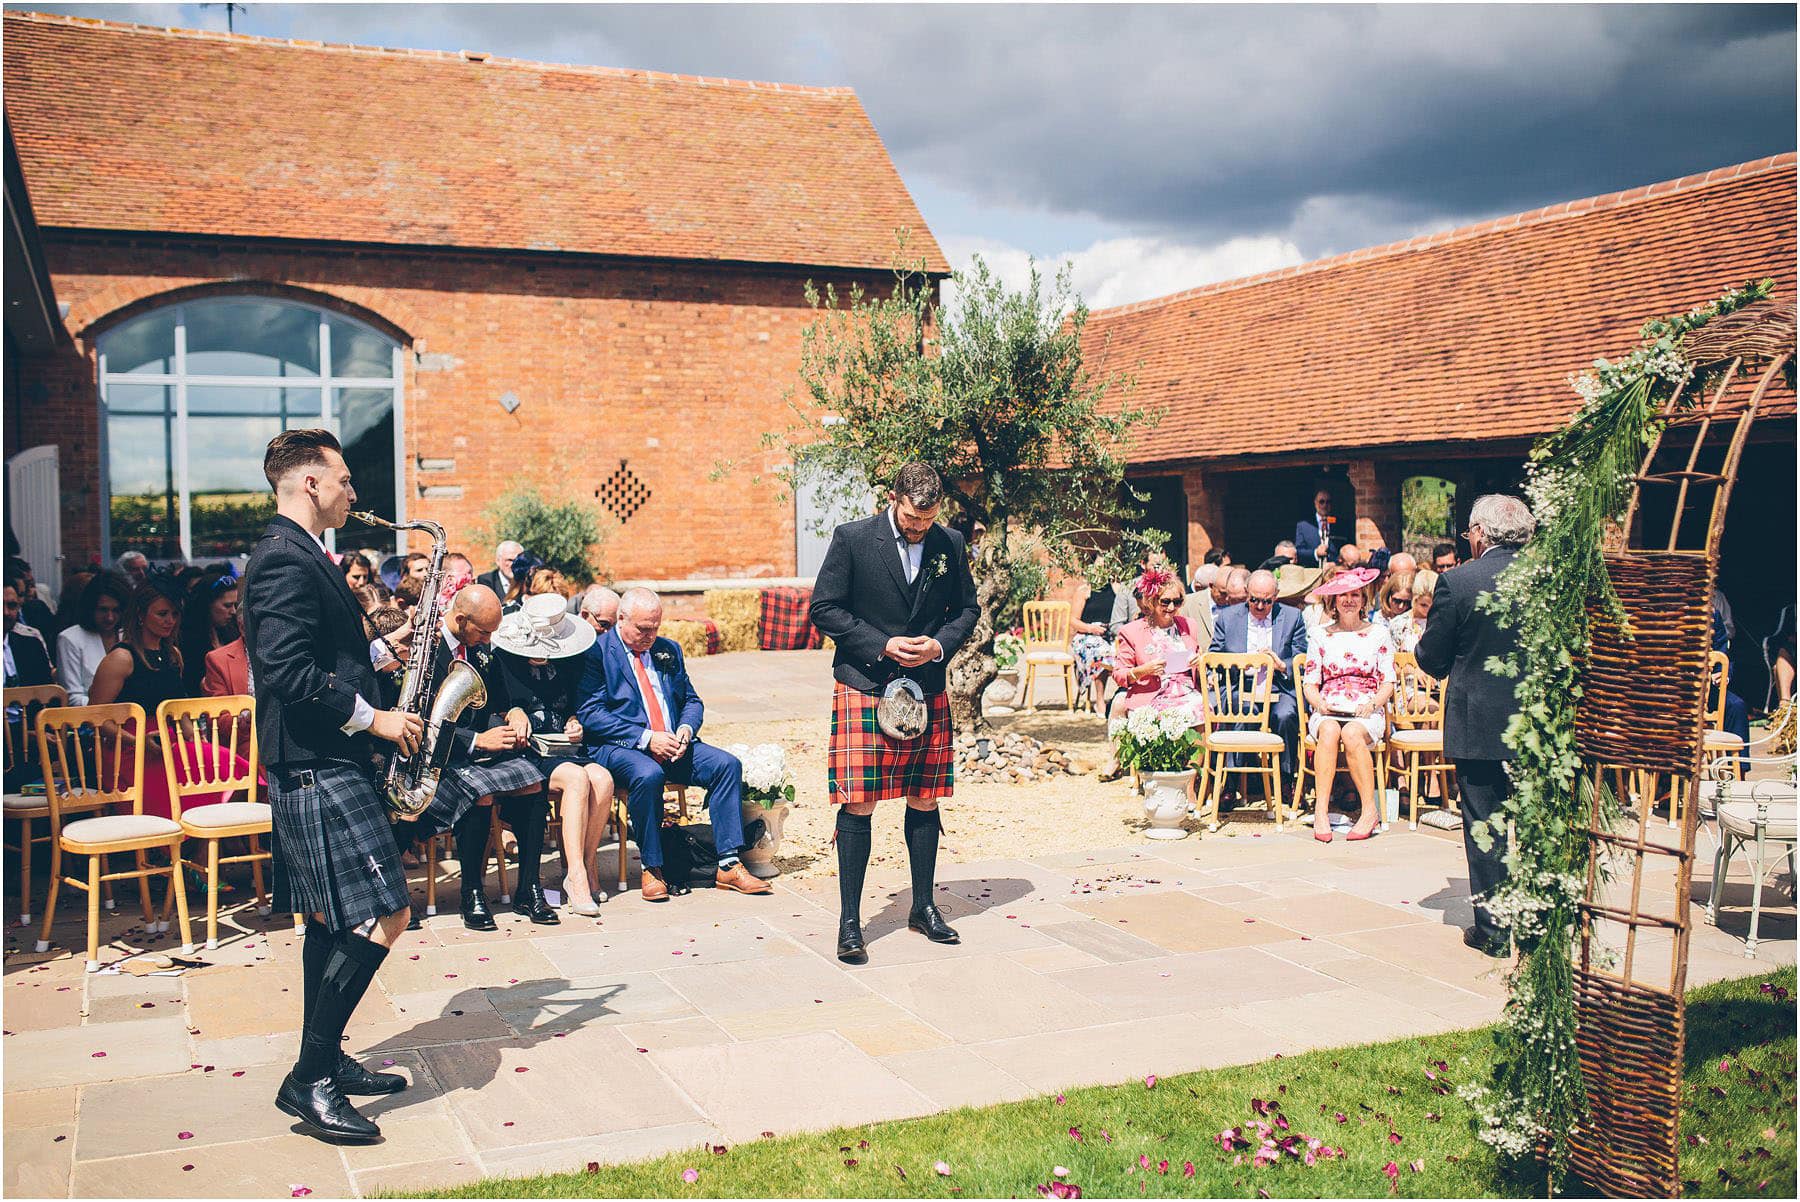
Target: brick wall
(671, 367)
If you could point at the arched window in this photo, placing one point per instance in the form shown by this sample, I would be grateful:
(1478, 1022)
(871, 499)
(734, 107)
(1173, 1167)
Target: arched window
(191, 394)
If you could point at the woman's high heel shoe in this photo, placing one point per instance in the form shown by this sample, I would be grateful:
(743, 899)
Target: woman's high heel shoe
(1323, 838)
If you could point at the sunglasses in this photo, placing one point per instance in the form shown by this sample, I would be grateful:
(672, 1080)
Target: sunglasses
(1167, 600)
(1398, 599)
(1262, 602)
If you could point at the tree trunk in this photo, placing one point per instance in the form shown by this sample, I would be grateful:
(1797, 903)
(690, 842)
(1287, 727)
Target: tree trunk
(972, 668)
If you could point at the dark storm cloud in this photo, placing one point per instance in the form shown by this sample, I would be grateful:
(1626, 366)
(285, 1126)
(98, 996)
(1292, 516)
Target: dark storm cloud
(1333, 125)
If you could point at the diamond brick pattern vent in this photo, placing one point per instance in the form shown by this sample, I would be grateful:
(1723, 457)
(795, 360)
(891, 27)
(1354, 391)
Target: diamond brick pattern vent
(623, 493)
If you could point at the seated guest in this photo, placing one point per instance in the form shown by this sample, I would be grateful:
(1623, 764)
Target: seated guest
(501, 578)
(1285, 553)
(98, 616)
(1443, 557)
(641, 719)
(1393, 601)
(1218, 557)
(228, 668)
(524, 564)
(1125, 599)
(458, 564)
(1414, 592)
(208, 622)
(32, 609)
(1401, 564)
(540, 649)
(1349, 679)
(1262, 624)
(135, 565)
(1089, 644)
(1314, 614)
(600, 608)
(409, 591)
(488, 765)
(416, 566)
(1736, 718)
(68, 605)
(27, 658)
(1349, 556)
(1156, 660)
(1315, 543)
(1198, 608)
(541, 581)
(356, 570)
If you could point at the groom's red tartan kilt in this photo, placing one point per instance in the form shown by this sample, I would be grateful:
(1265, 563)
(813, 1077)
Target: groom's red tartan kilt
(865, 765)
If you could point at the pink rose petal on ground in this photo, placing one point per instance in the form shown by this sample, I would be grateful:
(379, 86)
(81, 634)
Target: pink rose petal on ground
(187, 1168)
(184, 1135)
(943, 1170)
(1059, 1171)
(1150, 1081)
(300, 1191)
(387, 1064)
(1394, 1137)
(1060, 1099)
(1143, 1162)
(99, 1055)
(1418, 1166)
(521, 1069)
(239, 1073)
(690, 1175)
(1725, 1065)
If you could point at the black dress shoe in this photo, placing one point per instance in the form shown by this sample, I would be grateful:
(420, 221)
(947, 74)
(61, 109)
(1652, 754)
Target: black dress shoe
(850, 942)
(413, 922)
(532, 904)
(353, 1078)
(475, 913)
(1487, 945)
(928, 922)
(324, 1111)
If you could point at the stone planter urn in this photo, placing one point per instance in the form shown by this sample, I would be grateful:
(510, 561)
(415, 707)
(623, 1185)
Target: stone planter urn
(1167, 799)
(760, 858)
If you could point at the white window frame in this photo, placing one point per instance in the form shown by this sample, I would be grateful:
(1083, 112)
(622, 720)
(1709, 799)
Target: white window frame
(180, 379)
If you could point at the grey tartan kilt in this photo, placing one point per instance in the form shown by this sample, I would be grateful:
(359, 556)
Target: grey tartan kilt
(465, 783)
(334, 853)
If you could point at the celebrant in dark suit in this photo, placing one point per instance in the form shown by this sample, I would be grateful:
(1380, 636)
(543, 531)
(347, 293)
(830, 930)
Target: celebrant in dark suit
(1460, 637)
(334, 856)
(896, 596)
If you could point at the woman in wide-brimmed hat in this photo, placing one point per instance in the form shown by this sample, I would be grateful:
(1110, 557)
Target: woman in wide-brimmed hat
(1349, 679)
(540, 648)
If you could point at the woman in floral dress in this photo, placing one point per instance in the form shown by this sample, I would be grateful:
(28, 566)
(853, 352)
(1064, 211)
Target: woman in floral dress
(1349, 679)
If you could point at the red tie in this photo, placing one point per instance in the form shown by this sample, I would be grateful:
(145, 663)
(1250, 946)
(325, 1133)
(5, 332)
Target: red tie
(650, 706)
(462, 653)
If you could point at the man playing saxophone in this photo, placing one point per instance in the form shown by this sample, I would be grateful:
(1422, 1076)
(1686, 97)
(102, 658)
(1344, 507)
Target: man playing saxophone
(334, 857)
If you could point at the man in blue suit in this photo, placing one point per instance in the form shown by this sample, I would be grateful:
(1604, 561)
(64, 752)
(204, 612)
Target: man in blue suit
(640, 719)
(1314, 541)
(1264, 624)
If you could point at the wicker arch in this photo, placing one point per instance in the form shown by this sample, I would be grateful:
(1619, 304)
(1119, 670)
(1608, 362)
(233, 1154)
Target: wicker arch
(1639, 728)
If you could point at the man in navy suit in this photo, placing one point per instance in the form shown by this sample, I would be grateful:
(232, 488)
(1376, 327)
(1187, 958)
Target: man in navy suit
(1314, 545)
(1263, 624)
(641, 719)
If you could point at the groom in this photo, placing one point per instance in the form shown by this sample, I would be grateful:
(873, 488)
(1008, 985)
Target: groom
(896, 596)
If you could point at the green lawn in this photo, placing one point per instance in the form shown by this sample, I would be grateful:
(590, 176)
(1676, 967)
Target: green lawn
(1381, 1104)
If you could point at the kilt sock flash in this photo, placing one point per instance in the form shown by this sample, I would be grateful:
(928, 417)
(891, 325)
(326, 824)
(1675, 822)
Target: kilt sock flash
(854, 835)
(348, 971)
(922, 829)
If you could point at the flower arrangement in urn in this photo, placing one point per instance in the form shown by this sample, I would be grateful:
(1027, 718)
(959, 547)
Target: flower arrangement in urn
(768, 788)
(1161, 746)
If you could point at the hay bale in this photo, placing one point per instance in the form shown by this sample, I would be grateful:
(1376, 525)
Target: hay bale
(733, 604)
(689, 636)
(739, 634)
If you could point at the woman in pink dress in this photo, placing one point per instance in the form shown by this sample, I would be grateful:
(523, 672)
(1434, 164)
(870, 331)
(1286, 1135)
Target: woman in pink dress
(1349, 679)
(1157, 659)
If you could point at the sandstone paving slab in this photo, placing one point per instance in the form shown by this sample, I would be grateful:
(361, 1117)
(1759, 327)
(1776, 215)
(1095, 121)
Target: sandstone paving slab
(65, 1056)
(1292, 888)
(1411, 988)
(840, 1081)
(1126, 1051)
(440, 1172)
(121, 997)
(1432, 950)
(1329, 1018)
(1332, 913)
(1179, 921)
(42, 1004)
(892, 1038)
(1087, 862)
(1002, 882)
(427, 1131)
(1308, 951)
(583, 1083)
(1056, 959)
(978, 998)
(722, 991)
(39, 1161)
(257, 1168)
(704, 941)
(434, 1019)
(956, 1076)
(464, 966)
(244, 1051)
(130, 1118)
(1189, 981)
(564, 1005)
(868, 1010)
(607, 1147)
(1103, 941)
(227, 1002)
(673, 1033)
(40, 1107)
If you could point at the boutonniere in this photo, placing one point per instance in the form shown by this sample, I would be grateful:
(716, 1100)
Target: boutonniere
(664, 660)
(939, 565)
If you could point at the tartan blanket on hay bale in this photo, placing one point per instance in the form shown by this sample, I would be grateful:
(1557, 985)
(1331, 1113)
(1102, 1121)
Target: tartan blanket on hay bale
(786, 624)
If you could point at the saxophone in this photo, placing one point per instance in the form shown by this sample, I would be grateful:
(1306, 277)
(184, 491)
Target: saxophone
(412, 780)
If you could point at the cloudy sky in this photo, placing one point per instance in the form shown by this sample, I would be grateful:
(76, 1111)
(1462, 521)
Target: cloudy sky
(1160, 147)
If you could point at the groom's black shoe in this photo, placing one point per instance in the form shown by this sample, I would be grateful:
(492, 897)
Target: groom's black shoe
(928, 922)
(322, 1108)
(1487, 945)
(353, 1078)
(850, 942)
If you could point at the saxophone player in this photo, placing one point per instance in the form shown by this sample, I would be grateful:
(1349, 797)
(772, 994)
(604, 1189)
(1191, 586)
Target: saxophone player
(334, 857)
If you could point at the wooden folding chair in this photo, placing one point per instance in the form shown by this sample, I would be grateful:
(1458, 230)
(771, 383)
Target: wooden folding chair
(622, 821)
(1417, 712)
(93, 757)
(1048, 634)
(23, 771)
(1309, 750)
(211, 749)
(1239, 692)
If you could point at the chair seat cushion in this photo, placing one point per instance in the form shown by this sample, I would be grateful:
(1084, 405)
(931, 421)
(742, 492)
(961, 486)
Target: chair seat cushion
(1721, 739)
(1417, 740)
(1049, 657)
(1739, 817)
(1245, 740)
(226, 813)
(75, 799)
(109, 828)
(26, 801)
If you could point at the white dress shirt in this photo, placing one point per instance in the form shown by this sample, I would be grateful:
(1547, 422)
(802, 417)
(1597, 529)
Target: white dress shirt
(655, 698)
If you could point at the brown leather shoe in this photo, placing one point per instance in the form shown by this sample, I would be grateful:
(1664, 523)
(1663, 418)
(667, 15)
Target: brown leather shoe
(653, 887)
(738, 878)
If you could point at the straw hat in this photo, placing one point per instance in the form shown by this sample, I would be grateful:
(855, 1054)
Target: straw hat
(1293, 582)
(541, 628)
